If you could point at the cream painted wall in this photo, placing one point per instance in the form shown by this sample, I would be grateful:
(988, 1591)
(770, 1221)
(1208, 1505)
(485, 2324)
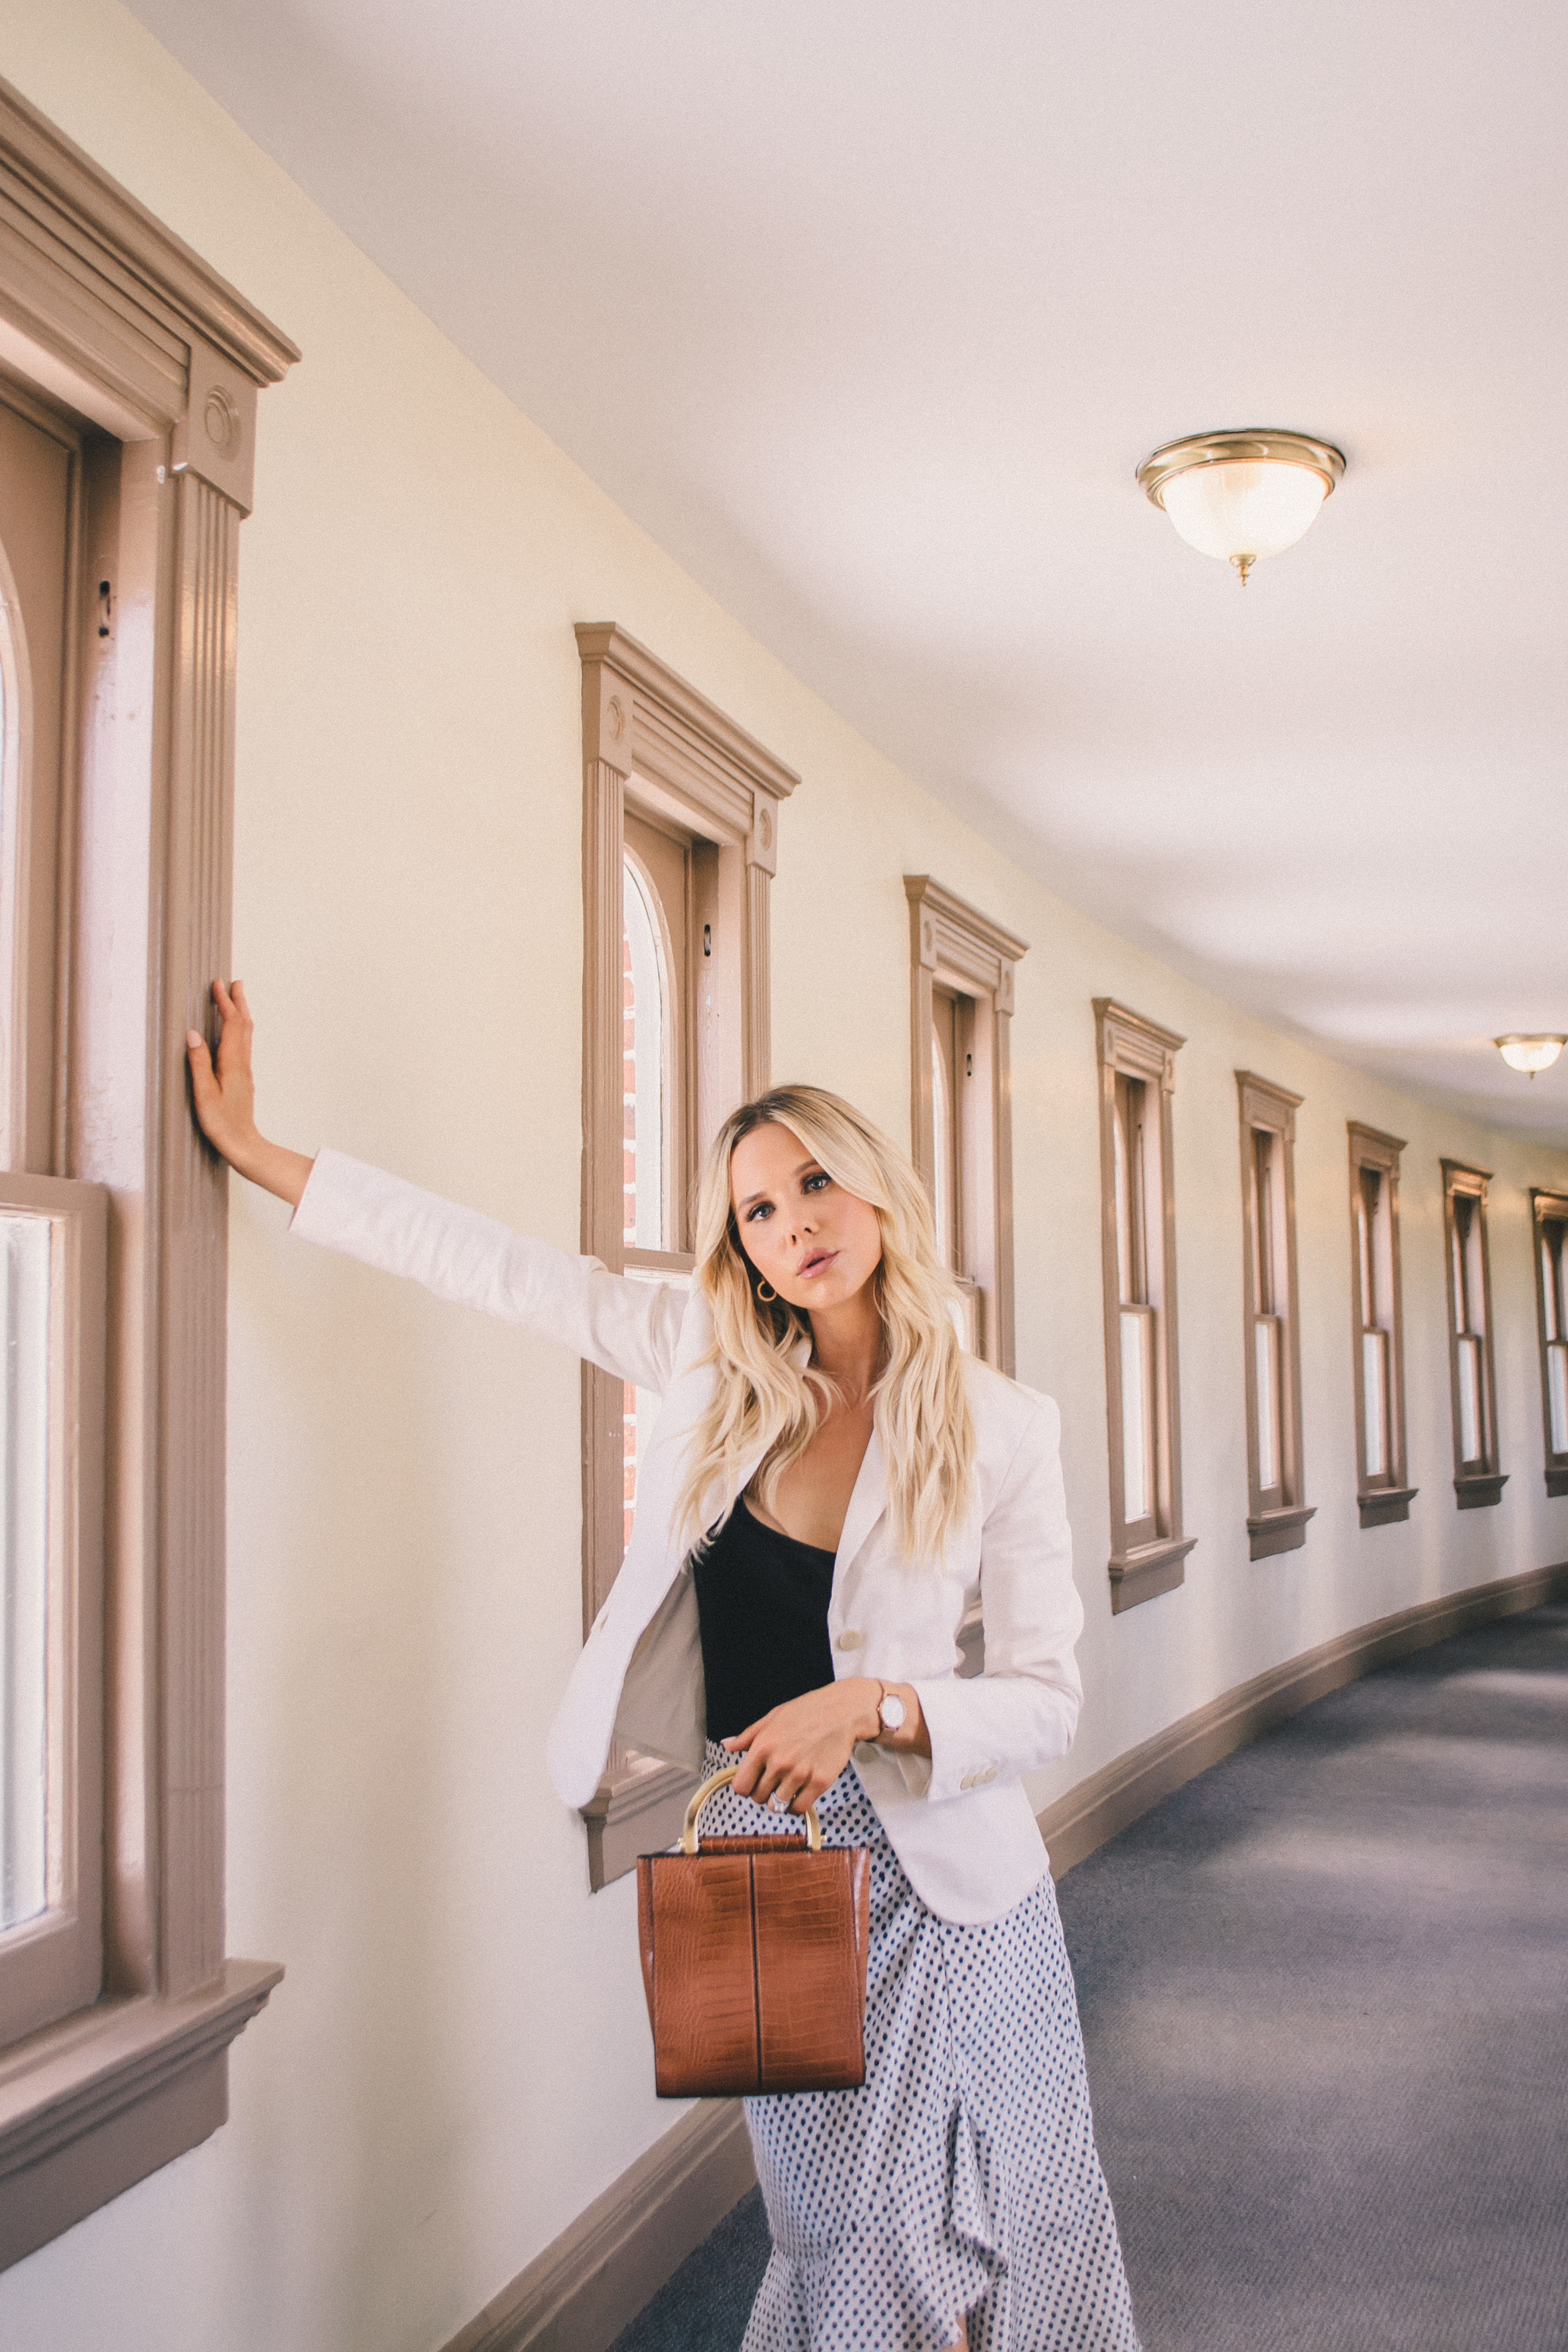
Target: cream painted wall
(457, 2062)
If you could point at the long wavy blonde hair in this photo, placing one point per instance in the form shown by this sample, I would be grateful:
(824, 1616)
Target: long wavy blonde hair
(766, 1402)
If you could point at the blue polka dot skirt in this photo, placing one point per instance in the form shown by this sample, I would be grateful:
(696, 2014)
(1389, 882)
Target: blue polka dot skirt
(960, 2181)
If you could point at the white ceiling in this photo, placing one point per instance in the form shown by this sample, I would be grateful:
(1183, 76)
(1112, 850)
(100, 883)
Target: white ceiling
(867, 311)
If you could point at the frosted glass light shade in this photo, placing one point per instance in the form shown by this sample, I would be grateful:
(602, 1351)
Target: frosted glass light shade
(1245, 509)
(1237, 496)
(1529, 1054)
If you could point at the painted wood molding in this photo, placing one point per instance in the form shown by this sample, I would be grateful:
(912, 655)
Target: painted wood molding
(653, 744)
(103, 311)
(1130, 1047)
(589, 2282)
(95, 2104)
(953, 943)
(1114, 1797)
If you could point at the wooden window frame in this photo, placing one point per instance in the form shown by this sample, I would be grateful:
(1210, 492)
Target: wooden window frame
(957, 951)
(1276, 1520)
(1385, 1498)
(108, 319)
(1548, 1208)
(1131, 1046)
(1474, 1488)
(652, 743)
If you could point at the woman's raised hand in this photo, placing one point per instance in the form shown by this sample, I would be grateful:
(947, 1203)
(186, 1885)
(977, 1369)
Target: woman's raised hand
(795, 1754)
(225, 1100)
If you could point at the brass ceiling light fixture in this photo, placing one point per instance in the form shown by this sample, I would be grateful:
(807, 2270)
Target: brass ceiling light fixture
(1529, 1054)
(1238, 496)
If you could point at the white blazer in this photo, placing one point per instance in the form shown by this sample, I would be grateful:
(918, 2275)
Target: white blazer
(961, 1824)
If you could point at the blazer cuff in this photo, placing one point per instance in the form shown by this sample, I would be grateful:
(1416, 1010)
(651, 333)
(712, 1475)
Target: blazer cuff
(332, 1210)
(960, 1757)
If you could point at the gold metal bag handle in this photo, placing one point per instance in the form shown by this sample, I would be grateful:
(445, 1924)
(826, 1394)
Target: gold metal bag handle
(712, 1788)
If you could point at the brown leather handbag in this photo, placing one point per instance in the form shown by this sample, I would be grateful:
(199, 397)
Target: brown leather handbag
(753, 1960)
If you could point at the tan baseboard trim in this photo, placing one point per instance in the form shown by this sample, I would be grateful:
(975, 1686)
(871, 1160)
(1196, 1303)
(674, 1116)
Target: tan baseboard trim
(579, 2294)
(1111, 1799)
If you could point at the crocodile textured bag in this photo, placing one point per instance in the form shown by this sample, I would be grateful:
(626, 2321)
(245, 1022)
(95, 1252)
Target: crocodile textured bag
(753, 1960)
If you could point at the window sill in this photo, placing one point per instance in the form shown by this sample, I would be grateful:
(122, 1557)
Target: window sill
(1380, 1505)
(95, 2103)
(1143, 1574)
(1475, 1489)
(640, 1811)
(1283, 1530)
(1557, 1479)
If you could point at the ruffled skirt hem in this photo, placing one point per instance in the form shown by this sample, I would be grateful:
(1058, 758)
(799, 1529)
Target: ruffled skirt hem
(960, 2182)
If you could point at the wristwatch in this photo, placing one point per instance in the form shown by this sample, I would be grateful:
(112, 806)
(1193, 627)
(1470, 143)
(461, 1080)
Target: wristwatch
(891, 1710)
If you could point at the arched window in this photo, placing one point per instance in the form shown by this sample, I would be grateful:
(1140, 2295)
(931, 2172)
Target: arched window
(1382, 1494)
(645, 1065)
(961, 1001)
(114, 869)
(51, 1304)
(943, 1142)
(1137, 1071)
(649, 1058)
(1277, 1514)
(1478, 1475)
(1550, 1214)
(679, 842)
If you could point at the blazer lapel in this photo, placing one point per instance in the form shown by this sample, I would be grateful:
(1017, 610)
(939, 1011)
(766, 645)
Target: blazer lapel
(866, 1503)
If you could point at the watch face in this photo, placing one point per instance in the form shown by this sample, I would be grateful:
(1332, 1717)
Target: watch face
(892, 1711)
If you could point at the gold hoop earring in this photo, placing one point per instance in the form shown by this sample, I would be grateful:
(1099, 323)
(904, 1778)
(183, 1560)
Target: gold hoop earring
(765, 1294)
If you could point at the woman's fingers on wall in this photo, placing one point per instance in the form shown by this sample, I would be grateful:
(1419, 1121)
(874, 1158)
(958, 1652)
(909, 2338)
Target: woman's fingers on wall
(222, 1086)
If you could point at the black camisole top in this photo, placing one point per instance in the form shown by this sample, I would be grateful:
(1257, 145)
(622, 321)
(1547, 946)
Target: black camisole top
(761, 1603)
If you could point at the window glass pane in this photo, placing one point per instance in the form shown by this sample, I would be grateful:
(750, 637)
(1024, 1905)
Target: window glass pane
(966, 1312)
(942, 1145)
(1123, 1197)
(645, 1065)
(1370, 1242)
(1471, 1447)
(23, 1565)
(1557, 1393)
(1131, 1232)
(1137, 1416)
(1266, 1340)
(1375, 1400)
(1263, 1149)
(1549, 1283)
(639, 1411)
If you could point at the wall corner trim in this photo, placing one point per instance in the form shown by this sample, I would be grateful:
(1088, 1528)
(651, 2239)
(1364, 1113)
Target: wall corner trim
(581, 2292)
(1113, 1798)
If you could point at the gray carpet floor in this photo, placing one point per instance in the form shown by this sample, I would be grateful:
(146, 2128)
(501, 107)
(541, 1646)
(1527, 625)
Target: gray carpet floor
(1324, 1992)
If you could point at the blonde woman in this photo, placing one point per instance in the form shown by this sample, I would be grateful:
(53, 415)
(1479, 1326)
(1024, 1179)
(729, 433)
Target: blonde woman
(832, 1483)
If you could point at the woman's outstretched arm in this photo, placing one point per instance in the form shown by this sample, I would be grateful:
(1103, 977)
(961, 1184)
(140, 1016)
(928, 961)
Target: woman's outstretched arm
(225, 1101)
(630, 1328)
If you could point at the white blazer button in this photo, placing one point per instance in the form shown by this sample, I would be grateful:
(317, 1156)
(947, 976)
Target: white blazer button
(990, 1774)
(967, 1781)
(849, 1639)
